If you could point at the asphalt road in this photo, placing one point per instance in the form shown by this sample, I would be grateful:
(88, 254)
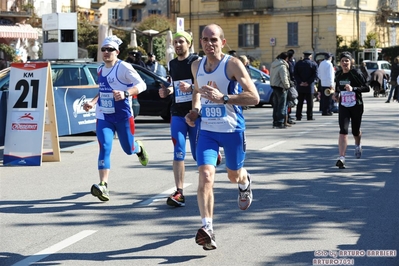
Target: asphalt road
(305, 211)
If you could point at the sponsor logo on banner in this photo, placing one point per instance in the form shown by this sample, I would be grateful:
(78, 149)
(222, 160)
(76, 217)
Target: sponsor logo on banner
(26, 116)
(24, 121)
(30, 66)
(23, 126)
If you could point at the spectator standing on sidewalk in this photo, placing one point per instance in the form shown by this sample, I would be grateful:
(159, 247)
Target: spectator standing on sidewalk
(119, 81)
(280, 83)
(222, 87)
(154, 66)
(326, 76)
(305, 72)
(291, 64)
(394, 84)
(265, 70)
(135, 58)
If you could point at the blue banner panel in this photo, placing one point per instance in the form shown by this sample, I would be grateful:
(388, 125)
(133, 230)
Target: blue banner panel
(71, 118)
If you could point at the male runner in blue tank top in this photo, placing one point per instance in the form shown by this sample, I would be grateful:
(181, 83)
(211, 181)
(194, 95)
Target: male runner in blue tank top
(223, 86)
(118, 82)
(182, 86)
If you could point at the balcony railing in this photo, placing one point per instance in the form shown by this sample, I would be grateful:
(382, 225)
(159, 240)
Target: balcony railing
(244, 5)
(137, 3)
(123, 23)
(16, 13)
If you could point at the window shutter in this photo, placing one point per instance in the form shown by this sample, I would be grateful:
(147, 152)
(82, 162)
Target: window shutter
(241, 35)
(110, 16)
(256, 35)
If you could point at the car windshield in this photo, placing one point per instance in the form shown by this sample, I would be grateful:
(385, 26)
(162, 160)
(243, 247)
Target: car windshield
(257, 75)
(93, 71)
(68, 77)
(385, 66)
(371, 65)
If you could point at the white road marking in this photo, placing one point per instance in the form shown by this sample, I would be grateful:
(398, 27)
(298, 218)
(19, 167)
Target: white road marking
(272, 145)
(55, 248)
(297, 135)
(161, 196)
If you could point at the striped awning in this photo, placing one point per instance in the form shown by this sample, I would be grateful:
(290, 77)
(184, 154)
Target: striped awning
(24, 31)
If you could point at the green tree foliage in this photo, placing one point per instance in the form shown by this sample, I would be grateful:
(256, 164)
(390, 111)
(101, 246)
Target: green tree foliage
(371, 36)
(389, 53)
(9, 52)
(160, 24)
(87, 34)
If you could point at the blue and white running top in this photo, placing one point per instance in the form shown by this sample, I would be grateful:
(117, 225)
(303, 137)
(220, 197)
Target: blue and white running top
(120, 77)
(219, 117)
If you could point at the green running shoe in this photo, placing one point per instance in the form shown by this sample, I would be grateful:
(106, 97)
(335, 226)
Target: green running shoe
(143, 156)
(100, 191)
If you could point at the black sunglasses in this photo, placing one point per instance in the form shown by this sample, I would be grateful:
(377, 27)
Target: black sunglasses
(108, 49)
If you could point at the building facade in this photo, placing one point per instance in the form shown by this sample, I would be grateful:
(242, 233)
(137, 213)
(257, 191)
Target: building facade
(264, 28)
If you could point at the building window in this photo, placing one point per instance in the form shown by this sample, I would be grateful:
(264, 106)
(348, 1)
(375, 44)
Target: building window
(292, 31)
(115, 17)
(392, 31)
(248, 35)
(154, 1)
(363, 33)
(50, 36)
(154, 12)
(135, 15)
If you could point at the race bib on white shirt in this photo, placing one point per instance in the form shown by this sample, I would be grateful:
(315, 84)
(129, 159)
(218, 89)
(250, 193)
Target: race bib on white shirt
(182, 97)
(107, 102)
(348, 98)
(213, 114)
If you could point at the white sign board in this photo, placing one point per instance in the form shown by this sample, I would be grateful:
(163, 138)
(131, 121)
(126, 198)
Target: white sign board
(26, 114)
(179, 24)
(272, 41)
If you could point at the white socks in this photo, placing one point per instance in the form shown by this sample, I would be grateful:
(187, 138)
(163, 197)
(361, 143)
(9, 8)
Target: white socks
(207, 222)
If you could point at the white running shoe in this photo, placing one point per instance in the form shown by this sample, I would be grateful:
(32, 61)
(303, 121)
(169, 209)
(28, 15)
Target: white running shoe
(245, 196)
(358, 152)
(341, 162)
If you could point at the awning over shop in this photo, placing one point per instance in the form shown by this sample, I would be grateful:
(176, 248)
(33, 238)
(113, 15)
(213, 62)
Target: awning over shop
(24, 31)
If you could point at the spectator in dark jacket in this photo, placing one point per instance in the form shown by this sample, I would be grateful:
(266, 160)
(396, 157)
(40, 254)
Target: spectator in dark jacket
(135, 58)
(291, 64)
(363, 69)
(305, 72)
(394, 83)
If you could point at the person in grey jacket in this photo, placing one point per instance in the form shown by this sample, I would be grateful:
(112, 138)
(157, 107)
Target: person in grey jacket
(280, 83)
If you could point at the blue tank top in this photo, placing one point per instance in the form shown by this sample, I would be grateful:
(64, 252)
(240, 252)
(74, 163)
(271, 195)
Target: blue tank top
(107, 108)
(219, 117)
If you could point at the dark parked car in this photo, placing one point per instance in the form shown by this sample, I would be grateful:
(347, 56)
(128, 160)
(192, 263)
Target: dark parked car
(150, 102)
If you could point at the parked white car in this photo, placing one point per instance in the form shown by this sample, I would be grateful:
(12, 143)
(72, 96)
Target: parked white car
(380, 64)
